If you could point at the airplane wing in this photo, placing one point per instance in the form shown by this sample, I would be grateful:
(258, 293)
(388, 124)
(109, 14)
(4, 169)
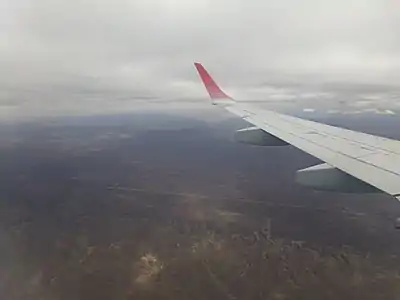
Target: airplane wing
(371, 159)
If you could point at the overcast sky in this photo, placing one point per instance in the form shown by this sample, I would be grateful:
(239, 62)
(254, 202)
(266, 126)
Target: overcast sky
(96, 55)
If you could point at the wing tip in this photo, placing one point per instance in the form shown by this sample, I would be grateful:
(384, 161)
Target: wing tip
(211, 86)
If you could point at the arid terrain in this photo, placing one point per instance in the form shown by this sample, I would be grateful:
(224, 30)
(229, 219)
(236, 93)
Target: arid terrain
(164, 207)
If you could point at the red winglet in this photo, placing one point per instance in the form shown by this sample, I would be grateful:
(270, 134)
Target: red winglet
(212, 88)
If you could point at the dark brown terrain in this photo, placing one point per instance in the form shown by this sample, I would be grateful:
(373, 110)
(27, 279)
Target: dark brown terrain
(158, 207)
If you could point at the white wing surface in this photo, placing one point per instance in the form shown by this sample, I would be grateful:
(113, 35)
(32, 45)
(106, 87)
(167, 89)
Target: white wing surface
(371, 159)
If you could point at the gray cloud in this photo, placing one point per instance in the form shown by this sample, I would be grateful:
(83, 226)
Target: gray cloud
(77, 55)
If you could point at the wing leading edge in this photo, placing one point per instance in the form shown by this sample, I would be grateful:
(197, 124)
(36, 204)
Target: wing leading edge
(371, 159)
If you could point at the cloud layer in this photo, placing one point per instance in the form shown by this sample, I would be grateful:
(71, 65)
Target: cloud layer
(77, 55)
